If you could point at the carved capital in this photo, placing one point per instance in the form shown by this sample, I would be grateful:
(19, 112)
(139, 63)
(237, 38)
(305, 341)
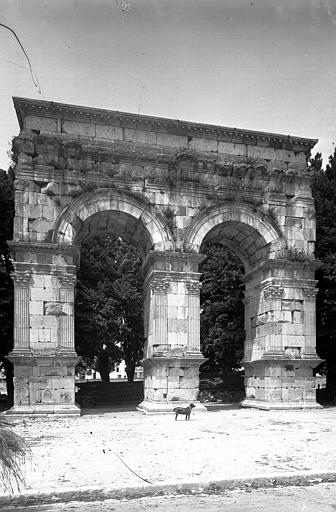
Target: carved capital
(273, 291)
(21, 279)
(193, 287)
(67, 280)
(159, 286)
(309, 293)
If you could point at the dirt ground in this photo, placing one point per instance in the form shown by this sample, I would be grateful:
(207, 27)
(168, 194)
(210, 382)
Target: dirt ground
(113, 449)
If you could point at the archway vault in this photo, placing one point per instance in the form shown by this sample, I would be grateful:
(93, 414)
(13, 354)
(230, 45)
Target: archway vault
(249, 232)
(111, 210)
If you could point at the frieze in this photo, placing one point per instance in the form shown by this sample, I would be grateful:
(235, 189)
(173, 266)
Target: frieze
(273, 291)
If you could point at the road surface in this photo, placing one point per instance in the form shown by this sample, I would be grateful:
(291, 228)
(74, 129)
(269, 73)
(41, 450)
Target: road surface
(317, 498)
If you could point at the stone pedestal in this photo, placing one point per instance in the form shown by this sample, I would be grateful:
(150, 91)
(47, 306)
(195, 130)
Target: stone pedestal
(44, 356)
(172, 351)
(171, 382)
(280, 384)
(280, 353)
(44, 384)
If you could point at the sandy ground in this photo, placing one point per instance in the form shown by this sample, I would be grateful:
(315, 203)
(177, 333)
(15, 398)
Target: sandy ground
(112, 449)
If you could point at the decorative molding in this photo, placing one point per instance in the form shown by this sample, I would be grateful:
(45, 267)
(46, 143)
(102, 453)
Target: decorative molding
(21, 279)
(273, 291)
(193, 287)
(159, 285)
(24, 107)
(67, 280)
(309, 293)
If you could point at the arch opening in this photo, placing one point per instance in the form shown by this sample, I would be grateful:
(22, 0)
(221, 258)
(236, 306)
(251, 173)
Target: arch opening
(109, 321)
(249, 232)
(119, 224)
(116, 210)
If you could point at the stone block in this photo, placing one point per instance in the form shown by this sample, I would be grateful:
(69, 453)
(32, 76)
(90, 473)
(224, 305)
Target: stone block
(36, 307)
(57, 309)
(286, 156)
(309, 234)
(292, 329)
(177, 326)
(296, 340)
(298, 317)
(44, 294)
(261, 152)
(182, 338)
(142, 136)
(167, 139)
(182, 313)
(203, 144)
(104, 131)
(294, 222)
(77, 128)
(41, 226)
(44, 124)
(232, 148)
(48, 212)
(300, 157)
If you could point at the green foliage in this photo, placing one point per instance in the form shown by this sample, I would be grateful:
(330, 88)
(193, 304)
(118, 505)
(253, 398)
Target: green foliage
(6, 285)
(109, 305)
(13, 452)
(324, 193)
(222, 309)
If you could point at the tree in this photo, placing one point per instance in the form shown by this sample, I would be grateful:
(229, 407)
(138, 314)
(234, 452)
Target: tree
(6, 285)
(324, 193)
(109, 305)
(222, 309)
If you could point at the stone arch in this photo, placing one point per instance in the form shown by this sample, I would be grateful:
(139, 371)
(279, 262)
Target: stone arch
(129, 215)
(249, 232)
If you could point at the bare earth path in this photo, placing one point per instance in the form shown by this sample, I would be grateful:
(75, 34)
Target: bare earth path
(95, 449)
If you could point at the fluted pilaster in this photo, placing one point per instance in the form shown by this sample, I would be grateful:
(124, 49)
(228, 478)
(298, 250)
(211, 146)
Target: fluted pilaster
(67, 324)
(21, 310)
(193, 288)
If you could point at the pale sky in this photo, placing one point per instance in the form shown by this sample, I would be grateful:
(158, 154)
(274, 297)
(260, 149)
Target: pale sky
(265, 65)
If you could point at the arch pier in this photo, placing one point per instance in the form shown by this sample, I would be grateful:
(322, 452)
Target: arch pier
(166, 187)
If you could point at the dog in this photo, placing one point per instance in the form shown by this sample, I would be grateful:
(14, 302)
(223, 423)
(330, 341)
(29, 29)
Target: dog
(184, 410)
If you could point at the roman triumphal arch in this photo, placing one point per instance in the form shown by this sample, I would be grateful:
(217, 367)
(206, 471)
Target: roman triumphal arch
(165, 186)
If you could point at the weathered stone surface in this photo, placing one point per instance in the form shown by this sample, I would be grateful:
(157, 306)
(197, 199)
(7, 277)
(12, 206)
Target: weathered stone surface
(166, 186)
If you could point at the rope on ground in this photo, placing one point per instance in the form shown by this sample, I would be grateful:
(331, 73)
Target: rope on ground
(144, 479)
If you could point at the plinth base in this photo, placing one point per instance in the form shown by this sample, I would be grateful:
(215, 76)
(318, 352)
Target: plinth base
(43, 410)
(149, 407)
(271, 406)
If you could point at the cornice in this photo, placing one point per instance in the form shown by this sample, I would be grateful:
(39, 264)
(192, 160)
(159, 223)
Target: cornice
(26, 106)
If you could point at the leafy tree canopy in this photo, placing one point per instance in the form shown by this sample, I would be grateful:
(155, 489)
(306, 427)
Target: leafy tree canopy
(324, 193)
(222, 309)
(6, 285)
(109, 305)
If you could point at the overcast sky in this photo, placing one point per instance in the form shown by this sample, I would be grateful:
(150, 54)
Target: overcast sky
(265, 65)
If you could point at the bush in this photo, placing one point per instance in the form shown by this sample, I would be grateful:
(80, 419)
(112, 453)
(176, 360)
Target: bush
(13, 453)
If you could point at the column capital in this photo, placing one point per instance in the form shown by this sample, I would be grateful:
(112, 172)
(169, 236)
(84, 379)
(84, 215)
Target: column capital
(67, 280)
(273, 291)
(21, 279)
(309, 292)
(158, 285)
(193, 287)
